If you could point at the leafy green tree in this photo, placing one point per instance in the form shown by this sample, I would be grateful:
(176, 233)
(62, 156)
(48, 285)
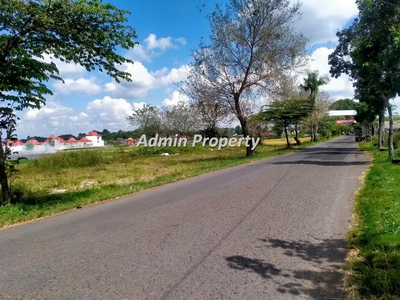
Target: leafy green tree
(286, 112)
(312, 84)
(344, 104)
(238, 130)
(84, 32)
(369, 52)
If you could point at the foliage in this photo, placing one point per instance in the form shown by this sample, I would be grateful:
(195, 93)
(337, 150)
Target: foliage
(344, 104)
(311, 85)
(180, 119)
(147, 119)
(251, 43)
(286, 112)
(369, 52)
(84, 32)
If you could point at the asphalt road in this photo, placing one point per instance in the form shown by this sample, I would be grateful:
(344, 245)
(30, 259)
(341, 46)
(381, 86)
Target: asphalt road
(273, 229)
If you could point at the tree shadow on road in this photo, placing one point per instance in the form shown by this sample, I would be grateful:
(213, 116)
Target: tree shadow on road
(319, 278)
(328, 163)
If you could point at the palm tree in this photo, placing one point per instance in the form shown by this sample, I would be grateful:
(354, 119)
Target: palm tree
(311, 85)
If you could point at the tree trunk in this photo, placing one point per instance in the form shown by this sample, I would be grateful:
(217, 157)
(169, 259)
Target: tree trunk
(390, 139)
(5, 189)
(243, 124)
(315, 133)
(296, 138)
(382, 127)
(287, 137)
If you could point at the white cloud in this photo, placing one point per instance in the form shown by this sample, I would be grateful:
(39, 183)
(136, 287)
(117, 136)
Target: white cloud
(338, 88)
(66, 69)
(176, 75)
(181, 41)
(162, 43)
(322, 19)
(153, 46)
(81, 85)
(175, 99)
(137, 105)
(143, 80)
(139, 53)
(110, 113)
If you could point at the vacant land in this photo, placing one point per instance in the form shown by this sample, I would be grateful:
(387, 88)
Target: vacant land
(74, 179)
(375, 239)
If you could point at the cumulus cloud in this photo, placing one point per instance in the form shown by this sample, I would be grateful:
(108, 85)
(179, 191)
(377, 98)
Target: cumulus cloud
(109, 113)
(175, 99)
(70, 70)
(322, 19)
(81, 85)
(143, 80)
(338, 88)
(153, 46)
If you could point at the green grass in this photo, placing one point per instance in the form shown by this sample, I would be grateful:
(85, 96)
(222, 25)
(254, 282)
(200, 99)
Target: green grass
(374, 264)
(111, 174)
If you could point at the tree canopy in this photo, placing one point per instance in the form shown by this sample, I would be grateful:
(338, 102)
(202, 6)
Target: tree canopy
(85, 32)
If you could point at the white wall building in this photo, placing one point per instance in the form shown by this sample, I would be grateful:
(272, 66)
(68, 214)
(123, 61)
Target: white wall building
(54, 143)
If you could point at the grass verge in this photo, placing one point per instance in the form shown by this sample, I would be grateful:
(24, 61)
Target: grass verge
(54, 184)
(374, 240)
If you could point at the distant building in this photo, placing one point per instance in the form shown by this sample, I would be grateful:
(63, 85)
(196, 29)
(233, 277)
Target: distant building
(54, 143)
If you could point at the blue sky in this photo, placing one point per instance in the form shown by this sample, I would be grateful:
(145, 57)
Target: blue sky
(167, 32)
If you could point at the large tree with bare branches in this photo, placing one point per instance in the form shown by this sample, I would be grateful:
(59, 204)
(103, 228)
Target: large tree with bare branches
(251, 42)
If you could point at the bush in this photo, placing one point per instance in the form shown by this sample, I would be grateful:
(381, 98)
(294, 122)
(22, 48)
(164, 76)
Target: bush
(73, 159)
(396, 140)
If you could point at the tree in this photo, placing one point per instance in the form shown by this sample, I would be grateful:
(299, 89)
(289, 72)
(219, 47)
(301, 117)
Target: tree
(251, 43)
(286, 112)
(148, 119)
(180, 119)
(84, 32)
(369, 51)
(344, 104)
(311, 84)
(238, 130)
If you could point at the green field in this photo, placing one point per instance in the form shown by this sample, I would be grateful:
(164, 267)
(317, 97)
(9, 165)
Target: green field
(374, 260)
(74, 179)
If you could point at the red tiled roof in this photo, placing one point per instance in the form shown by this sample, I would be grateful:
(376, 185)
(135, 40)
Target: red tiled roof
(18, 143)
(93, 133)
(72, 140)
(61, 140)
(84, 139)
(33, 142)
(52, 136)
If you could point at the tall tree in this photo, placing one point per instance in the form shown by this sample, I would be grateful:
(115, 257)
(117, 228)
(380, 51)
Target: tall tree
(251, 42)
(369, 51)
(85, 32)
(312, 84)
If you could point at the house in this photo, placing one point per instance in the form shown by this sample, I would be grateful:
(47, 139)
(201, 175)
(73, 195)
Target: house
(95, 138)
(54, 143)
(131, 141)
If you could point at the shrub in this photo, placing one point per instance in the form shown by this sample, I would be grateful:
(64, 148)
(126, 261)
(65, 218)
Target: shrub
(73, 159)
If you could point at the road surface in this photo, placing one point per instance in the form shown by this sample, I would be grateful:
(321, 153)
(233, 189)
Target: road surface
(272, 229)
